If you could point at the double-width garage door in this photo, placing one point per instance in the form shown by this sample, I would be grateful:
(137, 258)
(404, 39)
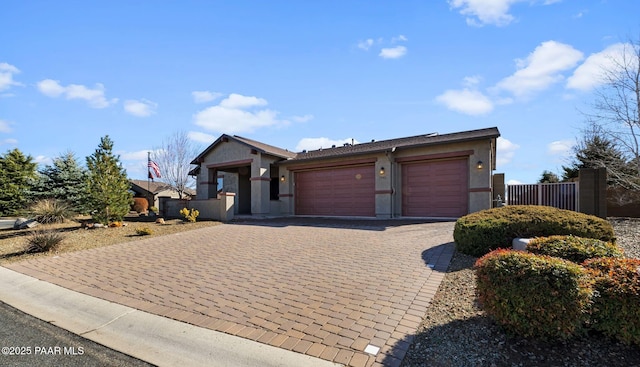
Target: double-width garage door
(343, 191)
(435, 188)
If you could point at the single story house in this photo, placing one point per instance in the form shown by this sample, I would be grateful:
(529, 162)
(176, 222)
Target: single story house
(153, 191)
(431, 175)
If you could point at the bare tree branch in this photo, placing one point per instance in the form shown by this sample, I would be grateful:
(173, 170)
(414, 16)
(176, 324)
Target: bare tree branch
(174, 159)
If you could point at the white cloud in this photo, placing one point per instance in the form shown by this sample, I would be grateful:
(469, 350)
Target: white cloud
(467, 101)
(505, 150)
(141, 108)
(43, 160)
(304, 118)
(496, 12)
(239, 101)
(514, 182)
(134, 156)
(205, 96)
(238, 113)
(201, 137)
(400, 38)
(541, 68)
(393, 52)
(591, 73)
(317, 143)
(7, 71)
(560, 147)
(8, 142)
(5, 126)
(95, 97)
(366, 44)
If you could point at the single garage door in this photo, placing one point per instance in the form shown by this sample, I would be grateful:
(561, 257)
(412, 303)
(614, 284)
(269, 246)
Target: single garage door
(344, 191)
(435, 188)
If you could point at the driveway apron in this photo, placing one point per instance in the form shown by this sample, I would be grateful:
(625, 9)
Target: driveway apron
(352, 292)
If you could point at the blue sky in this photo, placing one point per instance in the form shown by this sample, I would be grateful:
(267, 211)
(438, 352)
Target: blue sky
(304, 74)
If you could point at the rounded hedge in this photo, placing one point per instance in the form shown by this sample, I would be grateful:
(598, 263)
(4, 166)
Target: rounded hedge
(573, 248)
(478, 233)
(533, 295)
(616, 307)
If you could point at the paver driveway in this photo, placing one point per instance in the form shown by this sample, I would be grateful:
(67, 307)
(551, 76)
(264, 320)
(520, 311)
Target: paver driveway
(325, 288)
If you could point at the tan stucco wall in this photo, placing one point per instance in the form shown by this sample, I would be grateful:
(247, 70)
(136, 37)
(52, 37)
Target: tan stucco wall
(388, 201)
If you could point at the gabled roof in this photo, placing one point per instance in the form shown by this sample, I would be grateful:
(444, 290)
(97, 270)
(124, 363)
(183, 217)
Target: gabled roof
(400, 143)
(258, 146)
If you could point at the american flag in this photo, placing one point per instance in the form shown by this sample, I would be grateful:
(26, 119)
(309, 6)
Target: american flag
(154, 166)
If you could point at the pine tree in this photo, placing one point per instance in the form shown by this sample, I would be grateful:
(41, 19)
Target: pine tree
(107, 184)
(65, 180)
(16, 173)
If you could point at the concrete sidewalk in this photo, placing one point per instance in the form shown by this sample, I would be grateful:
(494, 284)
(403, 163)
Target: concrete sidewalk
(151, 338)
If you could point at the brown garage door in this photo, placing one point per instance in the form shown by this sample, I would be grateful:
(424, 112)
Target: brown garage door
(346, 191)
(435, 188)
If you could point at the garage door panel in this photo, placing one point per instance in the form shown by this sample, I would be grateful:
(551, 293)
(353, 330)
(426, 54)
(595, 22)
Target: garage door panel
(435, 188)
(346, 191)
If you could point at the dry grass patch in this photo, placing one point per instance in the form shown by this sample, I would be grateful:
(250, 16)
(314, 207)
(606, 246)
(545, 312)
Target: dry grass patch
(76, 238)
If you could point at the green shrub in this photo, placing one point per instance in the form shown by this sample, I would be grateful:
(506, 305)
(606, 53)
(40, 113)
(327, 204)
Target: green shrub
(532, 295)
(144, 231)
(48, 211)
(572, 248)
(478, 233)
(42, 240)
(616, 308)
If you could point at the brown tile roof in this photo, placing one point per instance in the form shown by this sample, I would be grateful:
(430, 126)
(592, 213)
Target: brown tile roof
(400, 143)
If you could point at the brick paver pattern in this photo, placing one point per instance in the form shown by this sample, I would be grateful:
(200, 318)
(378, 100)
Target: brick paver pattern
(327, 291)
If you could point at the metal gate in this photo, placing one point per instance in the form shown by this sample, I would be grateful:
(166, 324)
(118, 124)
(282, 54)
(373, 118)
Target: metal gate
(564, 195)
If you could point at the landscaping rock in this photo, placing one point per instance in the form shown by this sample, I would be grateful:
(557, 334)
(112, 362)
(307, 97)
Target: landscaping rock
(520, 244)
(24, 223)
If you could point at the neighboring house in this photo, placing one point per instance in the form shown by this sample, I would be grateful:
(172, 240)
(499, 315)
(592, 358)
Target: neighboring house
(430, 175)
(153, 191)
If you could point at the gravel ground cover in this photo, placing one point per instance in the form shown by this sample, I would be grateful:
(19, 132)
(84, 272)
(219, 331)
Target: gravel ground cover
(12, 242)
(455, 332)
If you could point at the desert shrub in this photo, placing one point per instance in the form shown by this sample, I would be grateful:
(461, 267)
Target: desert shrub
(140, 205)
(616, 308)
(572, 248)
(533, 295)
(144, 231)
(478, 233)
(189, 215)
(42, 240)
(48, 211)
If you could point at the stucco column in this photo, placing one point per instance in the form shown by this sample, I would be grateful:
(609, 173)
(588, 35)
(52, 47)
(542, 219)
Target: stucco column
(384, 188)
(260, 181)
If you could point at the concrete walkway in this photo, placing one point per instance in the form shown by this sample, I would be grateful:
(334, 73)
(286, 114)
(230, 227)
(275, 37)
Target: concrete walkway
(348, 292)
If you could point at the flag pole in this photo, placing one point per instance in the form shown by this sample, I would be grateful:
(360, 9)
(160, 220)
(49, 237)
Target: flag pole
(148, 175)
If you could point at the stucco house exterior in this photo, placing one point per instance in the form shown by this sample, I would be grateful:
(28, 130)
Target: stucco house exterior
(433, 175)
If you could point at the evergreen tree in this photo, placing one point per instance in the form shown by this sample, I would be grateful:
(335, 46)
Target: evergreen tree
(64, 180)
(16, 173)
(107, 184)
(597, 151)
(548, 177)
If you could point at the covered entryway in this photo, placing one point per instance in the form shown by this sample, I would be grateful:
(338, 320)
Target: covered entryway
(340, 191)
(437, 188)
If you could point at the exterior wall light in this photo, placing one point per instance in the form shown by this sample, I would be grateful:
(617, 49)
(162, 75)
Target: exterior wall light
(381, 172)
(480, 165)
(283, 179)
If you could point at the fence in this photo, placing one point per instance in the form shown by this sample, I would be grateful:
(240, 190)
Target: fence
(563, 195)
